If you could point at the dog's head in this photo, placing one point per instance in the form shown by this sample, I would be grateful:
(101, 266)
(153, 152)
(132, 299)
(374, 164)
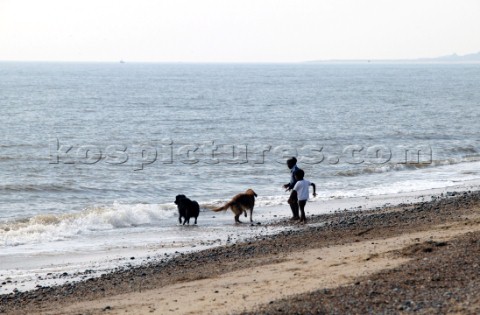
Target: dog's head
(251, 192)
(178, 198)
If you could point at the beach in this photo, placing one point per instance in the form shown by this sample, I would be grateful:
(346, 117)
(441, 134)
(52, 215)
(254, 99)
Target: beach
(419, 257)
(119, 119)
(93, 155)
(138, 134)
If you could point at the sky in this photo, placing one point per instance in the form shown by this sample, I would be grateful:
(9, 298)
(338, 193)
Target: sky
(236, 30)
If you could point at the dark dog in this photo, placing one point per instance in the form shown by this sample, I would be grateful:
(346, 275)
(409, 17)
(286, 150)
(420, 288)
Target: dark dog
(240, 203)
(187, 209)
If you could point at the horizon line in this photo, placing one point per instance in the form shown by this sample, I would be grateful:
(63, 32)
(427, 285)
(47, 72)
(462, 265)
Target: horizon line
(438, 59)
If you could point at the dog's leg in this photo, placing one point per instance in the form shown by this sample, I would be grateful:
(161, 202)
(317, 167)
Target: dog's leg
(251, 214)
(238, 212)
(245, 212)
(180, 219)
(195, 220)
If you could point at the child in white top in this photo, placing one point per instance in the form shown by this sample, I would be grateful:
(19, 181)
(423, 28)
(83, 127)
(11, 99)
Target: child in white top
(301, 191)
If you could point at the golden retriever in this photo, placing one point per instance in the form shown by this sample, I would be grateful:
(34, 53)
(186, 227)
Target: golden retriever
(240, 203)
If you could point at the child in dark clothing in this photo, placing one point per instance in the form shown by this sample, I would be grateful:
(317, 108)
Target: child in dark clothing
(292, 165)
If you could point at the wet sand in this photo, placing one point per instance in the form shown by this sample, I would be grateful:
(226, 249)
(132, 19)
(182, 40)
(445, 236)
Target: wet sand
(421, 257)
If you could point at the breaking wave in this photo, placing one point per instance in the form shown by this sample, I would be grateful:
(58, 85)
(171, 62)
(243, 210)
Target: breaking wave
(376, 169)
(55, 227)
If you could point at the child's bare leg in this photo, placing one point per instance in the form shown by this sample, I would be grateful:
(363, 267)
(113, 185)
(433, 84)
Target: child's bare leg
(301, 205)
(294, 208)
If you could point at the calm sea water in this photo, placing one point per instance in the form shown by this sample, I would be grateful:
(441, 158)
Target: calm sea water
(91, 151)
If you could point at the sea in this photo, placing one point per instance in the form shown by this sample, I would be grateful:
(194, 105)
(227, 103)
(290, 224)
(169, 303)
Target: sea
(92, 155)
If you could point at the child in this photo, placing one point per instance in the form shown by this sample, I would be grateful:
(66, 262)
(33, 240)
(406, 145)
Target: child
(300, 192)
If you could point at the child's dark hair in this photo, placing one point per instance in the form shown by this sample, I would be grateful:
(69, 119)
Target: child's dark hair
(299, 174)
(291, 162)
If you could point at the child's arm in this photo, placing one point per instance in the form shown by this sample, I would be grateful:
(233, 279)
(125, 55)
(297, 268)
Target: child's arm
(314, 189)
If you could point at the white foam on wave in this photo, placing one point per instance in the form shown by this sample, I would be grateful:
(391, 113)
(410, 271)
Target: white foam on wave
(46, 228)
(390, 167)
(55, 227)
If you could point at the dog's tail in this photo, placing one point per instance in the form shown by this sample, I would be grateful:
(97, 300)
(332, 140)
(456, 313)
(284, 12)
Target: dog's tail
(224, 207)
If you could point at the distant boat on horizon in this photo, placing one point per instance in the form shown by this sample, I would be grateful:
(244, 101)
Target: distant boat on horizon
(121, 61)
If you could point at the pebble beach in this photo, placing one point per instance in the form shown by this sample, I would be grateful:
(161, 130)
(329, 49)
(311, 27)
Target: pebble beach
(420, 257)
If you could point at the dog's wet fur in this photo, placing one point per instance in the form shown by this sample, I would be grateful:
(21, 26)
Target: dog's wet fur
(240, 203)
(186, 209)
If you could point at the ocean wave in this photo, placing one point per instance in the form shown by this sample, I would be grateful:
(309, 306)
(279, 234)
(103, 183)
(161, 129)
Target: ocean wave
(18, 145)
(8, 158)
(55, 227)
(36, 187)
(376, 169)
(469, 150)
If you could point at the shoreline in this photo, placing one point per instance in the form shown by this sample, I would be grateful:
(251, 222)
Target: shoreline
(339, 230)
(27, 271)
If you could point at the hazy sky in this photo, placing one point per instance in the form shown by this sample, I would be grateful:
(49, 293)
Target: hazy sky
(236, 30)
